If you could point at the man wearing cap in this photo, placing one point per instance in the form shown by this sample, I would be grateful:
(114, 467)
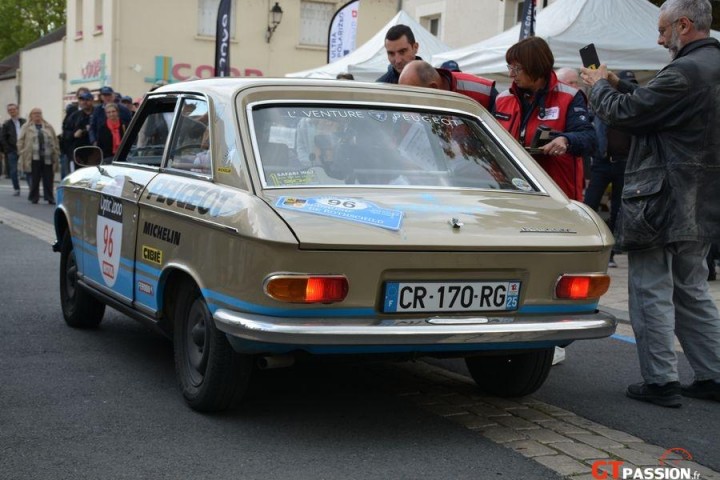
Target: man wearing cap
(419, 73)
(451, 65)
(66, 139)
(401, 49)
(107, 95)
(670, 213)
(79, 123)
(608, 166)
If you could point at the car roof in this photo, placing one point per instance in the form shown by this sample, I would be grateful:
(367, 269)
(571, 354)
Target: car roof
(227, 87)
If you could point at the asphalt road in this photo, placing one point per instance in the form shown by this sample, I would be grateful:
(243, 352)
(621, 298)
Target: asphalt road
(104, 403)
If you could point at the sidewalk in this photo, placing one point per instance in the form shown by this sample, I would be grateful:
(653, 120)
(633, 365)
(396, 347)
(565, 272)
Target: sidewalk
(615, 301)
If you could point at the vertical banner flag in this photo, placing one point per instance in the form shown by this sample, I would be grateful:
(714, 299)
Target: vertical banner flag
(527, 25)
(342, 31)
(222, 40)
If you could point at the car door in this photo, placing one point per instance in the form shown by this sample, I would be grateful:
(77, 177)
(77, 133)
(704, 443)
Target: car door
(112, 210)
(166, 210)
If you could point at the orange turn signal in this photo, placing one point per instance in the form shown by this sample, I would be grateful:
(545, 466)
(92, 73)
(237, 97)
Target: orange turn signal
(307, 288)
(582, 286)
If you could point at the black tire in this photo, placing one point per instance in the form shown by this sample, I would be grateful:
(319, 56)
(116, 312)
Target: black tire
(80, 309)
(212, 376)
(511, 375)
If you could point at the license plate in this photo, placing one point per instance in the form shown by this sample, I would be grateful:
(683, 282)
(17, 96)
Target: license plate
(451, 296)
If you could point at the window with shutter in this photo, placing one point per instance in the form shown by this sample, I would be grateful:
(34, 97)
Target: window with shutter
(207, 17)
(314, 22)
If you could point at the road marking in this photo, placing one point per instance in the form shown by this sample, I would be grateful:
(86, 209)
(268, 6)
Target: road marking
(32, 226)
(624, 333)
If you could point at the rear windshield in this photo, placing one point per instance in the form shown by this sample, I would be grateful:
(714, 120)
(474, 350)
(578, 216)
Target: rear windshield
(304, 145)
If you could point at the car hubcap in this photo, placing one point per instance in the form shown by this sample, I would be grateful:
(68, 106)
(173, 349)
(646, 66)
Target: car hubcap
(196, 342)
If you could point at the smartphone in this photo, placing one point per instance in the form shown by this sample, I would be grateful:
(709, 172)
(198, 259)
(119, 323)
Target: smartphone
(589, 56)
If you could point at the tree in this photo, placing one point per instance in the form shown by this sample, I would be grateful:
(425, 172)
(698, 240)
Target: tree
(24, 21)
(715, 11)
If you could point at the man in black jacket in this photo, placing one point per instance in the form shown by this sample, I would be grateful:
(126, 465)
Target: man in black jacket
(8, 138)
(670, 213)
(401, 49)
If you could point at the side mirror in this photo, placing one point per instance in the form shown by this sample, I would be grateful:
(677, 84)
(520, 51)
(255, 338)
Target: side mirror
(88, 156)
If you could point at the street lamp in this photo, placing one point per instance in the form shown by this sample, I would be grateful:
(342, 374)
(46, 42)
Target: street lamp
(274, 20)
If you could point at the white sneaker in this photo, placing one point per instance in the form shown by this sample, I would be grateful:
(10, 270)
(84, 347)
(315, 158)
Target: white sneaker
(558, 356)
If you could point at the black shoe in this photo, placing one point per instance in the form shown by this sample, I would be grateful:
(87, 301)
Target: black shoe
(665, 395)
(705, 389)
(51, 202)
(712, 276)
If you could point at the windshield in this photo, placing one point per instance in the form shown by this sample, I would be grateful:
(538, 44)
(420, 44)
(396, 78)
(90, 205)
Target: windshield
(303, 145)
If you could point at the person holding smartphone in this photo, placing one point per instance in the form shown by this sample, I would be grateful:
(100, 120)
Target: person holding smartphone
(670, 214)
(537, 100)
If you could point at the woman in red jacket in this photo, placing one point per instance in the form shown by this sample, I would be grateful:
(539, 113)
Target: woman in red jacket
(536, 99)
(111, 132)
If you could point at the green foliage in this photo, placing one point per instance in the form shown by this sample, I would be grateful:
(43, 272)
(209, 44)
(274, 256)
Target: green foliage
(24, 21)
(715, 11)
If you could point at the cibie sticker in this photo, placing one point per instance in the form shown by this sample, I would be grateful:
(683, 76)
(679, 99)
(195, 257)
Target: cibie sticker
(350, 209)
(521, 184)
(109, 237)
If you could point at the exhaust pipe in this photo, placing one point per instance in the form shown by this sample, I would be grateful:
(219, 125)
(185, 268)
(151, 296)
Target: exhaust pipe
(275, 361)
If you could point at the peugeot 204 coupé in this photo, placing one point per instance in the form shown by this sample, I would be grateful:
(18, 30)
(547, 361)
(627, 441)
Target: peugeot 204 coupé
(257, 220)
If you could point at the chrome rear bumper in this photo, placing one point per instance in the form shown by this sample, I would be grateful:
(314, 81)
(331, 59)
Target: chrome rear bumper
(434, 330)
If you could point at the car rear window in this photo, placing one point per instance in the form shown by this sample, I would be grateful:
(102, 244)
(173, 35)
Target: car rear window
(307, 145)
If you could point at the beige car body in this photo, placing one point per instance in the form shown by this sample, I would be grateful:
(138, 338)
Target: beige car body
(219, 229)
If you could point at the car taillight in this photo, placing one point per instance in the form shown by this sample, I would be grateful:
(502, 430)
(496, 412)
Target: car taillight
(307, 288)
(582, 286)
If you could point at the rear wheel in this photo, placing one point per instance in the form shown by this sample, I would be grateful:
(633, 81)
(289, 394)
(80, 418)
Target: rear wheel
(212, 376)
(511, 375)
(80, 309)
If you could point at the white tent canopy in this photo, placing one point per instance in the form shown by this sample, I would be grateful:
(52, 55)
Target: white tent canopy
(623, 31)
(369, 61)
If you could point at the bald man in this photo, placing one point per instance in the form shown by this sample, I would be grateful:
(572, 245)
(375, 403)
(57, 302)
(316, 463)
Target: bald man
(419, 73)
(569, 76)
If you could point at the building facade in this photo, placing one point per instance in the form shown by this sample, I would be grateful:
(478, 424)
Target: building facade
(131, 44)
(458, 23)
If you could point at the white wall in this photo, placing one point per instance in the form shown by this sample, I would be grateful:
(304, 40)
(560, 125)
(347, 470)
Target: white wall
(40, 70)
(8, 94)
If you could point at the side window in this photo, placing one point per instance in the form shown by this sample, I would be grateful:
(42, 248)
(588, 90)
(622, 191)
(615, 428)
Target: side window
(190, 145)
(146, 143)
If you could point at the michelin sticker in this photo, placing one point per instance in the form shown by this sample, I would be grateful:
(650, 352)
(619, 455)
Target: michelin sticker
(108, 234)
(350, 209)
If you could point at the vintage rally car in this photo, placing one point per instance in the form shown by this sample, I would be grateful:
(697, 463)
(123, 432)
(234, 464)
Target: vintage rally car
(256, 220)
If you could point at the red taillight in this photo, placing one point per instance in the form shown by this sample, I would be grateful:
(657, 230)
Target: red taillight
(307, 288)
(582, 286)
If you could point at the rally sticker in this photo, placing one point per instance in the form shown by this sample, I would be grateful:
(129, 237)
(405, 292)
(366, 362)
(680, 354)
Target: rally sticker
(350, 209)
(109, 237)
(521, 184)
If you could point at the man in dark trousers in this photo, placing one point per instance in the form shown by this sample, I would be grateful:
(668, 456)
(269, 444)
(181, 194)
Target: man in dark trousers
(419, 73)
(8, 138)
(401, 49)
(670, 213)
